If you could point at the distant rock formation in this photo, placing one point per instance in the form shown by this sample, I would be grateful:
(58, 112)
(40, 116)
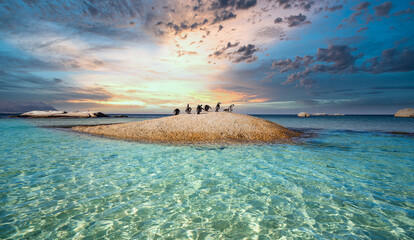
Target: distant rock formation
(192, 128)
(20, 107)
(61, 114)
(303, 114)
(406, 112)
(326, 114)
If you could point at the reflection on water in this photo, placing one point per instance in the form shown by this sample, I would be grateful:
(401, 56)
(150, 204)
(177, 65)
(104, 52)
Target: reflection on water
(336, 185)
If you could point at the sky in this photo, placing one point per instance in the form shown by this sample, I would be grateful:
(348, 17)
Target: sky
(264, 56)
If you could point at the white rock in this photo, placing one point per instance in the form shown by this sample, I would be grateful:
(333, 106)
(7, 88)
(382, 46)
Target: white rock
(55, 114)
(319, 114)
(406, 112)
(303, 114)
(41, 113)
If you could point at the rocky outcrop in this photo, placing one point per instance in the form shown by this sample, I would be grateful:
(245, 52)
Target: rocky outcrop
(406, 112)
(303, 114)
(61, 114)
(194, 128)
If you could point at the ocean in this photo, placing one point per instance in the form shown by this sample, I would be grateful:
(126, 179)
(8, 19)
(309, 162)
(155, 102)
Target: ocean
(351, 177)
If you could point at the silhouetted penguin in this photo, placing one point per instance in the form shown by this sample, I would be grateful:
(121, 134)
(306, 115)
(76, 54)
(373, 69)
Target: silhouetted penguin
(230, 109)
(188, 109)
(176, 111)
(206, 108)
(218, 106)
(199, 108)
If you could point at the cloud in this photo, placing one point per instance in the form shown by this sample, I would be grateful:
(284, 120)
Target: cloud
(245, 54)
(23, 85)
(23, 106)
(300, 4)
(242, 54)
(57, 80)
(359, 9)
(245, 4)
(406, 11)
(285, 65)
(278, 20)
(223, 16)
(382, 10)
(296, 20)
(362, 29)
(223, 49)
(391, 60)
(238, 4)
(339, 59)
(184, 25)
(333, 8)
(361, 6)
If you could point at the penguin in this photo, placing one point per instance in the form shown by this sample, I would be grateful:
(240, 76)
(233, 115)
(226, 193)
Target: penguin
(199, 108)
(230, 109)
(206, 108)
(176, 111)
(188, 109)
(218, 106)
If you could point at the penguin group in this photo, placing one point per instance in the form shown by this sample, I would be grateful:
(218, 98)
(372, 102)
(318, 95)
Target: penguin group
(206, 108)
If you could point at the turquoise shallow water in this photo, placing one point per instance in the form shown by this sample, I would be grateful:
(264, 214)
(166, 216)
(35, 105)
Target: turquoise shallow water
(348, 181)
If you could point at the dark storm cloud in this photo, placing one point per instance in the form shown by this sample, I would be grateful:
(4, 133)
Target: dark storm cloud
(285, 65)
(278, 20)
(242, 54)
(245, 4)
(339, 59)
(391, 60)
(300, 4)
(296, 20)
(340, 56)
(223, 16)
(382, 10)
(245, 54)
(185, 26)
(238, 4)
(223, 49)
(284, 3)
(196, 25)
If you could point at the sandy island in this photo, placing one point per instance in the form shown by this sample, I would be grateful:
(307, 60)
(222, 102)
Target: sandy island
(208, 127)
